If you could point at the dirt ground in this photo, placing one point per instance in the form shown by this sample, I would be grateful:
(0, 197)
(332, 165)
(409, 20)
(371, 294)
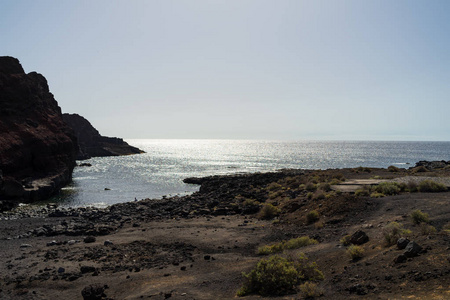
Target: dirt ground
(203, 256)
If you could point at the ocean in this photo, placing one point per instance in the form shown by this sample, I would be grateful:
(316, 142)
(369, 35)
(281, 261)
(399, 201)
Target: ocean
(160, 171)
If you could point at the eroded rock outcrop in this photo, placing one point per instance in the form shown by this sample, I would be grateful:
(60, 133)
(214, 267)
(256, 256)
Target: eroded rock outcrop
(92, 144)
(37, 149)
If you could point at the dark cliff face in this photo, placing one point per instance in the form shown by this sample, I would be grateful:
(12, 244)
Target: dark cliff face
(92, 144)
(37, 149)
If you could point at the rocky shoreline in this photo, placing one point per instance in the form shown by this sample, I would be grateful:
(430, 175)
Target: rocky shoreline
(197, 246)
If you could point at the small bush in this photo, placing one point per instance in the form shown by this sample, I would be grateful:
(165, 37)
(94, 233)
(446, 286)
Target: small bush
(446, 228)
(346, 240)
(272, 249)
(355, 252)
(300, 242)
(268, 211)
(274, 186)
(429, 186)
(418, 217)
(311, 187)
(312, 217)
(393, 169)
(318, 195)
(324, 186)
(377, 195)
(277, 275)
(426, 229)
(310, 290)
(388, 188)
(393, 231)
(335, 181)
(319, 225)
(295, 243)
(362, 192)
(420, 169)
(411, 186)
(273, 276)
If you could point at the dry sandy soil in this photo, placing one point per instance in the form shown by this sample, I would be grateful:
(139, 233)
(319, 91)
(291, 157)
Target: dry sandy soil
(202, 254)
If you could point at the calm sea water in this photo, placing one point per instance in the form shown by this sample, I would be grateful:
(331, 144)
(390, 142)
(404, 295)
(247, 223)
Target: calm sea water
(166, 163)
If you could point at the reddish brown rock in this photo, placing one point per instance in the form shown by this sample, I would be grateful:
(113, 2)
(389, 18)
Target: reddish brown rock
(37, 149)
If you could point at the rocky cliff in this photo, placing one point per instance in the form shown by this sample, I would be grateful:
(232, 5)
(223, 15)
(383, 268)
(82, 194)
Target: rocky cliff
(37, 149)
(92, 144)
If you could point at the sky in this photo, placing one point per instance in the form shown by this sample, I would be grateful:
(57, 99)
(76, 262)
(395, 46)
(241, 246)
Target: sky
(241, 69)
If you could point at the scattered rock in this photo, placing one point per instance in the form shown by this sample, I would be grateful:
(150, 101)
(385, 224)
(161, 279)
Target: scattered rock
(93, 292)
(87, 269)
(402, 243)
(412, 249)
(89, 239)
(108, 243)
(400, 259)
(359, 238)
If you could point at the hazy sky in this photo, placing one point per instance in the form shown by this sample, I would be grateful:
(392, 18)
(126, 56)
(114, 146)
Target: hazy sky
(243, 69)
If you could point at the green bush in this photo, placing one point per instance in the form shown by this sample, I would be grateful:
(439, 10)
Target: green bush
(295, 243)
(300, 242)
(318, 195)
(418, 217)
(362, 192)
(312, 216)
(272, 276)
(393, 169)
(429, 186)
(393, 231)
(310, 290)
(411, 186)
(426, 229)
(277, 275)
(268, 211)
(355, 252)
(324, 186)
(346, 240)
(388, 188)
(377, 195)
(311, 187)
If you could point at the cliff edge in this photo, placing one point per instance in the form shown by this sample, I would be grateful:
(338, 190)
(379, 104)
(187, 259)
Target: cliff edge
(37, 148)
(92, 144)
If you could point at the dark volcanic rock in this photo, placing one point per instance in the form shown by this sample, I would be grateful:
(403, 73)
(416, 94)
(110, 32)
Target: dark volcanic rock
(37, 149)
(402, 243)
(412, 249)
(359, 238)
(93, 292)
(432, 165)
(92, 144)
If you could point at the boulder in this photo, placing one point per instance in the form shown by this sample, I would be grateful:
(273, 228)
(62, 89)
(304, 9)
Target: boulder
(93, 292)
(359, 238)
(412, 249)
(402, 243)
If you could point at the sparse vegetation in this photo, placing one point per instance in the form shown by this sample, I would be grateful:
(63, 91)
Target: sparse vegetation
(393, 169)
(345, 240)
(426, 229)
(355, 252)
(363, 192)
(429, 186)
(277, 275)
(377, 195)
(295, 243)
(268, 211)
(393, 231)
(310, 290)
(388, 188)
(312, 216)
(418, 217)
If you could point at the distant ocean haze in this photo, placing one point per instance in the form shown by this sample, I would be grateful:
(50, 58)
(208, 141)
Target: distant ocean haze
(160, 170)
